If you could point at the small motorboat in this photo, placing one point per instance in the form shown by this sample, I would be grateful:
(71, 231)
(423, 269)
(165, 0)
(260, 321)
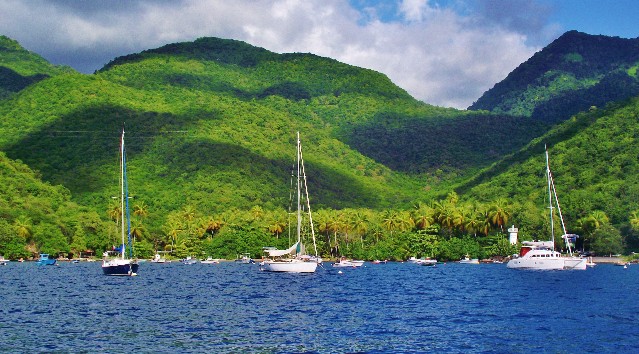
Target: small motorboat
(427, 262)
(210, 260)
(189, 260)
(46, 259)
(467, 260)
(343, 262)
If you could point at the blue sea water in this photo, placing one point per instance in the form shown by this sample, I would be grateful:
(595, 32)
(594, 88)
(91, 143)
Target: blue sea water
(385, 308)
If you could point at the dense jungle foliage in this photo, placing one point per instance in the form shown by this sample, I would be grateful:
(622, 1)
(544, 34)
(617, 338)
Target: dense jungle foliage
(20, 68)
(210, 134)
(575, 72)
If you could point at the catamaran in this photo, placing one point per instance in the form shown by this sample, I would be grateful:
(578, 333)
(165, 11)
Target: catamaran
(541, 254)
(122, 265)
(294, 259)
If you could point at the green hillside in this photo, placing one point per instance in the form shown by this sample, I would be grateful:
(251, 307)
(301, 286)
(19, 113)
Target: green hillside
(210, 132)
(593, 157)
(572, 74)
(40, 216)
(20, 68)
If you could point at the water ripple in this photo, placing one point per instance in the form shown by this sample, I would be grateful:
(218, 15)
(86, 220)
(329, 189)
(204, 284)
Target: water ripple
(390, 308)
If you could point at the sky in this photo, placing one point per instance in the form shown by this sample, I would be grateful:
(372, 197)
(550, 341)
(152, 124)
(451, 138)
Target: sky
(443, 52)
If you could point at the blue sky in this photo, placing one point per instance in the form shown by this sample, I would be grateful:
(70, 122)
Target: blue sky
(607, 17)
(443, 52)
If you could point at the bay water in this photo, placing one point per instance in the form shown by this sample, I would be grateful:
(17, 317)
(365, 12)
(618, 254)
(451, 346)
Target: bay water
(379, 308)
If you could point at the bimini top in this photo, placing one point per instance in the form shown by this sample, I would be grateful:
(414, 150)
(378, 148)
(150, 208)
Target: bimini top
(538, 244)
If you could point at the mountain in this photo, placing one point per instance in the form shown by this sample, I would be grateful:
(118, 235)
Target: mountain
(212, 122)
(575, 72)
(20, 68)
(210, 129)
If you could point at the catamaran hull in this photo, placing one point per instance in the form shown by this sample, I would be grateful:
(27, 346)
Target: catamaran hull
(575, 263)
(120, 267)
(290, 267)
(548, 263)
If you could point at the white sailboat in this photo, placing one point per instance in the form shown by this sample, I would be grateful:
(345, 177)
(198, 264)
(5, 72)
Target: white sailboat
(294, 259)
(541, 254)
(122, 265)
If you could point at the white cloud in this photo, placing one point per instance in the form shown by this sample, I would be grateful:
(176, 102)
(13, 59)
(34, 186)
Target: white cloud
(435, 54)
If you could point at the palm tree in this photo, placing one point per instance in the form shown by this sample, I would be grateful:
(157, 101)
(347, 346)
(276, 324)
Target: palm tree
(360, 224)
(257, 212)
(114, 212)
(423, 216)
(22, 227)
(345, 223)
(634, 220)
(173, 230)
(396, 221)
(591, 223)
(472, 223)
(485, 224)
(389, 221)
(137, 230)
(277, 227)
(210, 225)
(141, 210)
(188, 213)
(598, 218)
(499, 214)
(446, 215)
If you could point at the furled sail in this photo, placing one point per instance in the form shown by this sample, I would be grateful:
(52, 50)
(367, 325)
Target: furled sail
(279, 253)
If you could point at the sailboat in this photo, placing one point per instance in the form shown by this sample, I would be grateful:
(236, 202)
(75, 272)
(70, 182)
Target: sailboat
(541, 254)
(121, 264)
(294, 259)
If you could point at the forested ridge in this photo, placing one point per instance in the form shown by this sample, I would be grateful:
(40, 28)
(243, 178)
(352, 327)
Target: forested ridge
(575, 72)
(210, 132)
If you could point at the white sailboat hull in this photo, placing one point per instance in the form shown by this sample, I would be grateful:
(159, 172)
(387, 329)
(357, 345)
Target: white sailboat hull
(289, 266)
(542, 264)
(575, 263)
(549, 263)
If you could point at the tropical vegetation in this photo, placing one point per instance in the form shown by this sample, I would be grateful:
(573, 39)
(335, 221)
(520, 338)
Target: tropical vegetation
(210, 139)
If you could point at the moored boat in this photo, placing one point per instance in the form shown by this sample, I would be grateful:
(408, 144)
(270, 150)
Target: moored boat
(210, 260)
(295, 259)
(427, 262)
(468, 260)
(188, 260)
(541, 255)
(46, 259)
(244, 258)
(348, 263)
(122, 264)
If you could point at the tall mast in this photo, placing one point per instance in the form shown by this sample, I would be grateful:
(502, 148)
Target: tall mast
(550, 207)
(299, 190)
(122, 190)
